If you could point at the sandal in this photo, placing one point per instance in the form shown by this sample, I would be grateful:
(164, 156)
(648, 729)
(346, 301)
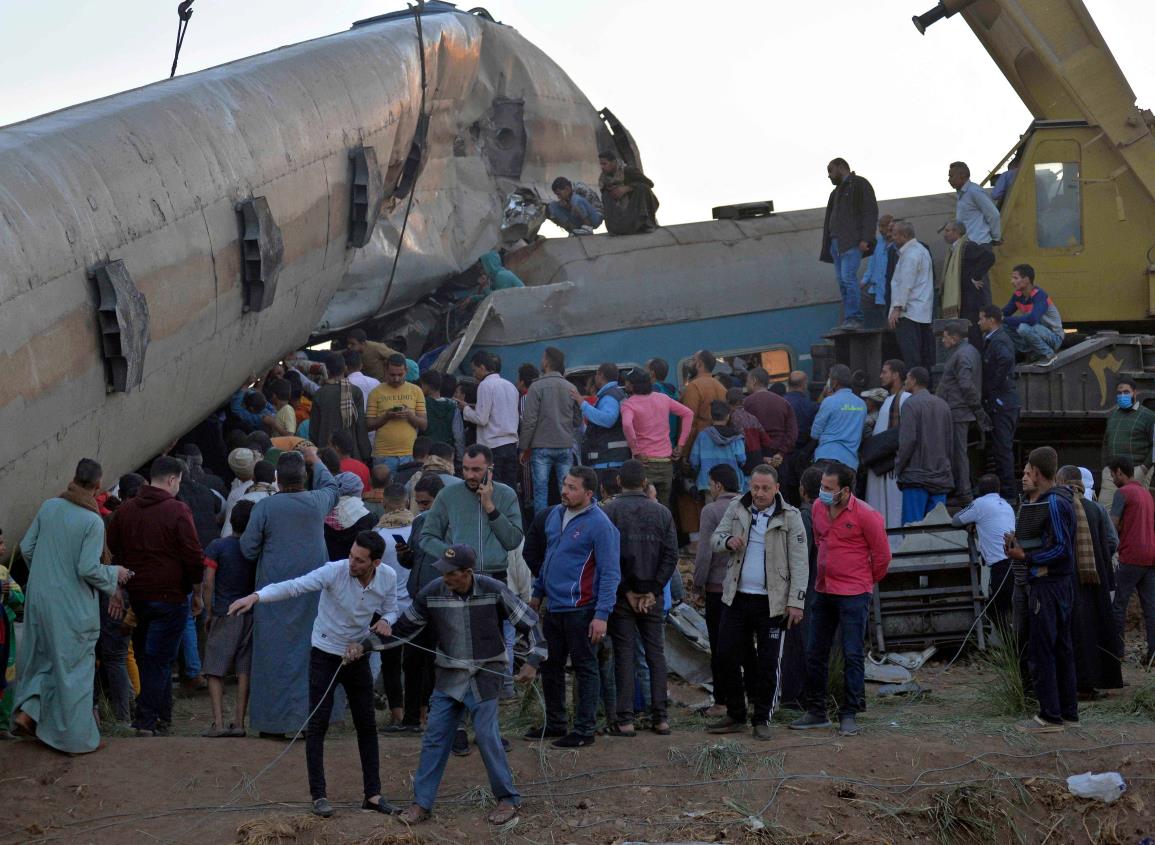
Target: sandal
(214, 732)
(661, 728)
(413, 814)
(503, 813)
(615, 729)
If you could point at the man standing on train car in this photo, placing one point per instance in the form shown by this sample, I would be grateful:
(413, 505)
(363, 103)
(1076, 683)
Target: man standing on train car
(847, 235)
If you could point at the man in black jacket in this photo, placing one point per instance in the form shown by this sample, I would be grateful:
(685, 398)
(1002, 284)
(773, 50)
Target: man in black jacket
(847, 235)
(649, 557)
(1000, 397)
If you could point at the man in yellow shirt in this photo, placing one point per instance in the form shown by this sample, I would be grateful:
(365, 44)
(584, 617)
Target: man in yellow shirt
(397, 413)
(374, 355)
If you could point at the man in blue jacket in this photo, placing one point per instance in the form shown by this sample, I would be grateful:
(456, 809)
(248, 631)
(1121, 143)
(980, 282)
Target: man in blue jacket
(838, 424)
(579, 580)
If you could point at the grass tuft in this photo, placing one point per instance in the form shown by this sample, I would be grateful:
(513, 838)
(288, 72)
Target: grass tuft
(1006, 691)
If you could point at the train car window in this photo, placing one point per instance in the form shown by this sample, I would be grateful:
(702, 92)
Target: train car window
(1058, 206)
(777, 360)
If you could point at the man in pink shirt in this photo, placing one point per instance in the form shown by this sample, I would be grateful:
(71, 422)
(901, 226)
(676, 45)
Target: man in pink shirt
(646, 423)
(853, 555)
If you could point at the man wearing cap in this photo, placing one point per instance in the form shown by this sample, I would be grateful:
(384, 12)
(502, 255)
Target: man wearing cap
(467, 613)
(357, 595)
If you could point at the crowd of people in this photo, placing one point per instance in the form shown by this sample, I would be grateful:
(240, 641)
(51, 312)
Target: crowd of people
(901, 278)
(349, 519)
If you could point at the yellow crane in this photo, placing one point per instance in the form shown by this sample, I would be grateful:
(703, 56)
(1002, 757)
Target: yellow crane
(1081, 209)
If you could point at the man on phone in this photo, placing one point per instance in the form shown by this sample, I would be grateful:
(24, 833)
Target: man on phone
(485, 515)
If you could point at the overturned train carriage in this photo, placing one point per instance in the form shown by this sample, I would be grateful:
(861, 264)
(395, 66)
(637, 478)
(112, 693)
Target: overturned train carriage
(160, 246)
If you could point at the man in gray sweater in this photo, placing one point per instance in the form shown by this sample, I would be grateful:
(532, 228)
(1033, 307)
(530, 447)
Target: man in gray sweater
(961, 388)
(925, 439)
(550, 419)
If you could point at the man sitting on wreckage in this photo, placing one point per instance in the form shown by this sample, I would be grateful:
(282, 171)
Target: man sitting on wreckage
(628, 197)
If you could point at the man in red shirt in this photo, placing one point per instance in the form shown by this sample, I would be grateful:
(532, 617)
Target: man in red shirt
(1133, 513)
(853, 555)
(342, 443)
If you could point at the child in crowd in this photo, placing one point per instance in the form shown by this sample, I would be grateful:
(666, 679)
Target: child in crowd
(721, 443)
(229, 576)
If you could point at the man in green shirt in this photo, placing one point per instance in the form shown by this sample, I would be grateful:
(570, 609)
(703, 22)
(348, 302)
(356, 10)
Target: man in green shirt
(1130, 432)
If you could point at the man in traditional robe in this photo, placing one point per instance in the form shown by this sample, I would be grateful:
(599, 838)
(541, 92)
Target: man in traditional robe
(628, 197)
(1097, 639)
(67, 565)
(882, 491)
(286, 536)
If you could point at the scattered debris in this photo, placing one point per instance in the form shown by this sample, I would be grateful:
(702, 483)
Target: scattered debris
(1102, 786)
(274, 830)
(909, 688)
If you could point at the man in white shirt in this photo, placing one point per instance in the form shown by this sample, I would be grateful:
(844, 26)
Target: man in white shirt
(353, 364)
(912, 298)
(496, 417)
(358, 595)
(993, 518)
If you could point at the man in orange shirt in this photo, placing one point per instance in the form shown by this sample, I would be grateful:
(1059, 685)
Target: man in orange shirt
(702, 389)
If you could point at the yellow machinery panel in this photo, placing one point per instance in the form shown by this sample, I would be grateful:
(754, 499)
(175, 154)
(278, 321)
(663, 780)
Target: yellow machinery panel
(1078, 215)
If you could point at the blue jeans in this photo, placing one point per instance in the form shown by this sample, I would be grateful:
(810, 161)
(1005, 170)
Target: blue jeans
(155, 642)
(1036, 340)
(918, 502)
(568, 221)
(542, 461)
(392, 461)
(444, 715)
(846, 271)
(826, 614)
(188, 646)
(112, 676)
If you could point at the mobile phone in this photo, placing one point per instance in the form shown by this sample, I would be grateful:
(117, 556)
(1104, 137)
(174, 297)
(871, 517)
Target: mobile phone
(399, 540)
(488, 478)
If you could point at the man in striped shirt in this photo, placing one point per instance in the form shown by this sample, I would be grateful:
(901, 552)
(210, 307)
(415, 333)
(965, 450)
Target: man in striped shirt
(466, 611)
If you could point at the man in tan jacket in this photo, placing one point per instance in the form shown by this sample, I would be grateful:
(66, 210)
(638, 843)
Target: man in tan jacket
(763, 594)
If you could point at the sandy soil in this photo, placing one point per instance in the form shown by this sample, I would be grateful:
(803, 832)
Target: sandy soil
(940, 768)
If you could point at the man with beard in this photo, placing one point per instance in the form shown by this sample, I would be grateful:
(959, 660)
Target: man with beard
(628, 197)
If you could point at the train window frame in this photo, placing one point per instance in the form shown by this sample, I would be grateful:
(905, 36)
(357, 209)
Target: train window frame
(683, 363)
(1050, 228)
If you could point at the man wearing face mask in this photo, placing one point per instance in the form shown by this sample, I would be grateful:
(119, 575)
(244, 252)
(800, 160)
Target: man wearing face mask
(853, 556)
(1129, 435)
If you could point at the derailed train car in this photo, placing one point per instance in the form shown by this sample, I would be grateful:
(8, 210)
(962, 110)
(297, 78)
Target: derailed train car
(160, 246)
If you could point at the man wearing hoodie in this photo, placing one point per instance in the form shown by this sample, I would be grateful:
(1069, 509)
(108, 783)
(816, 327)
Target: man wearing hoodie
(763, 594)
(649, 556)
(153, 534)
(549, 420)
(721, 443)
(579, 579)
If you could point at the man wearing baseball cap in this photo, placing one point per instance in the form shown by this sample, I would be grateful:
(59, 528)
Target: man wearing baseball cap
(467, 611)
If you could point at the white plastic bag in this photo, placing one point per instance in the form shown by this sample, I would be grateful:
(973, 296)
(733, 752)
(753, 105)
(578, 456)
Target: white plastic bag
(1102, 786)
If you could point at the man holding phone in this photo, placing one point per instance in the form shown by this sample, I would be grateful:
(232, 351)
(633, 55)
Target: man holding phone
(396, 412)
(485, 515)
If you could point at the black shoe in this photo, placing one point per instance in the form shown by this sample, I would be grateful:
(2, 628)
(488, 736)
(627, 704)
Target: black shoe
(539, 732)
(322, 808)
(382, 806)
(460, 747)
(505, 744)
(573, 741)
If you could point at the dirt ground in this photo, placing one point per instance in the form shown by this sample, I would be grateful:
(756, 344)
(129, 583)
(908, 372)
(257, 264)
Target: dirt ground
(943, 767)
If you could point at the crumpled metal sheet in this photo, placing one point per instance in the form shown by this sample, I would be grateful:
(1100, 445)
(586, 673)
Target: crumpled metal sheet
(152, 177)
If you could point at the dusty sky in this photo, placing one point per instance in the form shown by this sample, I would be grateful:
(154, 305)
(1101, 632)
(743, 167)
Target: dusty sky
(729, 102)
